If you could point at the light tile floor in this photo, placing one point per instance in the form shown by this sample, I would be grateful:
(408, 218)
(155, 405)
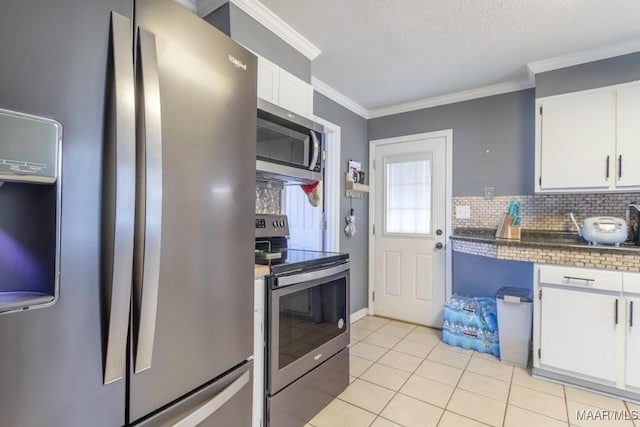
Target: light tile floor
(403, 375)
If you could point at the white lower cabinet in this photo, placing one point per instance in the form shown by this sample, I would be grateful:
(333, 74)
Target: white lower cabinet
(632, 377)
(578, 332)
(587, 327)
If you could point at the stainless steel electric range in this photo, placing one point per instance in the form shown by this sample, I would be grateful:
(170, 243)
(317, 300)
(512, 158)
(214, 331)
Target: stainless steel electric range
(307, 318)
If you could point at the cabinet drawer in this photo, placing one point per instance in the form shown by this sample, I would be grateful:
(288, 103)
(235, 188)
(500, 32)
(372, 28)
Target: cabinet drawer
(631, 282)
(581, 278)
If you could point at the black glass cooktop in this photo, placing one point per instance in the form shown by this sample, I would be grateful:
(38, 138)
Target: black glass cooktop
(295, 259)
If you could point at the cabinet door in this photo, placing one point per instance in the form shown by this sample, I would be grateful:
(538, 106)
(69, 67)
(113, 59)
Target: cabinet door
(578, 333)
(633, 342)
(296, 95)
(268, 81)
(577, 140)
(628, 143)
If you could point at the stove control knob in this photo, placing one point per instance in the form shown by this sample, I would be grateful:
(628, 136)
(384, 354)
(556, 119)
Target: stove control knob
(282, 223)
(275, 223)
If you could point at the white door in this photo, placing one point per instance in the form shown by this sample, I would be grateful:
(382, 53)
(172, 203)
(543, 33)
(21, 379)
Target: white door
(578, 134)
(633, 342)
(305, 221)
(578, 333)
(409, 235)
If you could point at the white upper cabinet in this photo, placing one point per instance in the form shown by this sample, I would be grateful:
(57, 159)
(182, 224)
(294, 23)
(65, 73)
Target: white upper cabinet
(296, 95)
(628, 143)
(282, 88)
(268, 80)
(589, 141)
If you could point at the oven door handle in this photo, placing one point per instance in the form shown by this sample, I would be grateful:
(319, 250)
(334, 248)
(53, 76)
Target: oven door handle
(312, 275)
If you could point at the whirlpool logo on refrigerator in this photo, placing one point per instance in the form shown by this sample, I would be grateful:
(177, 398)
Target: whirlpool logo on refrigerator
(238, 64)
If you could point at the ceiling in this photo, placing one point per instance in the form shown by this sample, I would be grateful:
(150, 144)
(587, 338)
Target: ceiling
(381, 53)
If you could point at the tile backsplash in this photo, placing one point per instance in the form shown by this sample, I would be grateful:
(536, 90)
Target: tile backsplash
(268, 199)
(545, 211)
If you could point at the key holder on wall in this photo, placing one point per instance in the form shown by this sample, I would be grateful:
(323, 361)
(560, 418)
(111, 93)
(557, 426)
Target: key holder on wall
(354, 181)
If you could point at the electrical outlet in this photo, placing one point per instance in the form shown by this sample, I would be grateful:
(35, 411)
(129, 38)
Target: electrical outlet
(463, 212)
(489, 192)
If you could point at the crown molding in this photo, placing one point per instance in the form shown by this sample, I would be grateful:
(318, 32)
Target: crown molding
(584, 56)
(269, 20)
(326, 90)
(451, 98)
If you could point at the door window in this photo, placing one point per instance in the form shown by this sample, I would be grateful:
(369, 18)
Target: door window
(407, 194)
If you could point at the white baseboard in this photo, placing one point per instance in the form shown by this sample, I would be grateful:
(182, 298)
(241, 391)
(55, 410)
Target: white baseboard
(359, 314)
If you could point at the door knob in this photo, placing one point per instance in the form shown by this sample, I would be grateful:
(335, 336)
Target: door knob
(439, 245)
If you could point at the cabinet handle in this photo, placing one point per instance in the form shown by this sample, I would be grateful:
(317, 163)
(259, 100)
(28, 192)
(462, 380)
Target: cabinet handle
(607, 168)
(620, 166)
(569, 278)
(631, 314)
(616, 311)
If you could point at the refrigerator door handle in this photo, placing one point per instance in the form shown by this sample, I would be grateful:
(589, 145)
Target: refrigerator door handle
(149, 203)
(117, 248)
(210, 407)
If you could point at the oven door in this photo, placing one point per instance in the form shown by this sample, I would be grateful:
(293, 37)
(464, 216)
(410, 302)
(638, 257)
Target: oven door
(308, 322)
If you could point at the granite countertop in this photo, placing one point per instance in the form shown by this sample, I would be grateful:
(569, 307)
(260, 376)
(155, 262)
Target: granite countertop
(539, 238)
(260, 270)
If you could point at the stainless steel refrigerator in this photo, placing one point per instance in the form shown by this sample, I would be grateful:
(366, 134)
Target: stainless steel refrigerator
(153, 324)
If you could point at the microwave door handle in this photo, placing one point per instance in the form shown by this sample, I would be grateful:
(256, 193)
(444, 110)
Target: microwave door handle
(316, 150)
(149, 204)
(118, 218)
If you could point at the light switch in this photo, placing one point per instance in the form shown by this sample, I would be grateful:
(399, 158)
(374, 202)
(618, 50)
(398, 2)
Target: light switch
(463, 212)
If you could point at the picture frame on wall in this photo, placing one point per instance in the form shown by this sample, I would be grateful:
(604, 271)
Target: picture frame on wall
(354, 171)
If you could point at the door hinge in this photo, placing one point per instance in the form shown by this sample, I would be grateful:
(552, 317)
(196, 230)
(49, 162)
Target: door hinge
(539, 354)
(374, 164)
(373, 296)
(540, 294)
(324, 154)
(540, 181)
(541, 110)
(374, 229)
(323, 225)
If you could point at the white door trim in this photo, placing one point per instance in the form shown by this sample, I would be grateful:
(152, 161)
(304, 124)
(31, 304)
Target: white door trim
(331, 184)
(448, 134)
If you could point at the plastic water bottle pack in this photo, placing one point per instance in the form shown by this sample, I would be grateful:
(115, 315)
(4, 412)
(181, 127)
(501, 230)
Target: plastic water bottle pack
(471, 323)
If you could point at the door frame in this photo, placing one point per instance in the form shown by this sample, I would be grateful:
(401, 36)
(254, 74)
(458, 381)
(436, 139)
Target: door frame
(331, 184)
(373, 144)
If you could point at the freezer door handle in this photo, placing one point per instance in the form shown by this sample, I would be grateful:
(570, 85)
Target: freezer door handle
(146, 261)
(210, 407)
(119, 193)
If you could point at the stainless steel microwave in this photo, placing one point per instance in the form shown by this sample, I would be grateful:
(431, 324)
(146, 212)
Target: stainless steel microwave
(289, 146)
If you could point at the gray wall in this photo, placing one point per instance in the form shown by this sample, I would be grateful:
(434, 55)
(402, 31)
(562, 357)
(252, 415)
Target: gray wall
(479, 276)
(493, 140)
(231, 20)
(353, 146)
(620, 69)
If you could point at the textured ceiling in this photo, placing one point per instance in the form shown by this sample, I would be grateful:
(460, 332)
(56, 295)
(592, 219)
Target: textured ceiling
(387, 52)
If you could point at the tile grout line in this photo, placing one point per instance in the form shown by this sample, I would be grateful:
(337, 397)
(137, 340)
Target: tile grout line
(395, 392)
(506, 406)
(454, 390)
(566, 404)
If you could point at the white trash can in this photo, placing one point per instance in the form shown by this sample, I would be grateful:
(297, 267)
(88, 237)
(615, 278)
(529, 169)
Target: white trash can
(515, 316)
